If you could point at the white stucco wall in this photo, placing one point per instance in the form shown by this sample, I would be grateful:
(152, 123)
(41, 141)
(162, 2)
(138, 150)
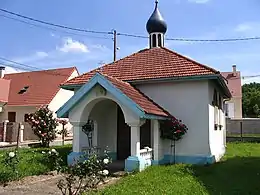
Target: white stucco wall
(187, 101)
(20, 112)
(216, 137)
(105, 115)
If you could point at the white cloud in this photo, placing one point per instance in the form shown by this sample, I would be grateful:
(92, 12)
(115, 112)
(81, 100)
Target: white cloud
(10, 70)
(243, 27)
(70, 45)
(199, 1)
(41, 54)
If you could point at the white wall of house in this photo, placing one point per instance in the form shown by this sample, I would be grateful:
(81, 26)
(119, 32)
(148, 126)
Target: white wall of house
(104, 113)
(216, 137)
(19, 110)
(187, 101)
(61, 98)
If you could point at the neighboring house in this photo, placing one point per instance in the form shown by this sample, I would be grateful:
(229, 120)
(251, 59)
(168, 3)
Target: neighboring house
(30, 90)
(4, 91)
(233, 107)
(127, 99)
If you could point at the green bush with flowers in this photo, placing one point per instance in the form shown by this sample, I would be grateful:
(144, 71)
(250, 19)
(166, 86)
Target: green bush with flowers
(43, 125)
(11, 162)
(172, 129)
(84, 175)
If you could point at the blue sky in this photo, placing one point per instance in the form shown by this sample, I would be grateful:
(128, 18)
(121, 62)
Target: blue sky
(197, 19)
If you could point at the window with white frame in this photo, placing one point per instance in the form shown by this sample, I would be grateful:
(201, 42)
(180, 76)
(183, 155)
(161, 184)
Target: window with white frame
(218, 106)
(215, 104)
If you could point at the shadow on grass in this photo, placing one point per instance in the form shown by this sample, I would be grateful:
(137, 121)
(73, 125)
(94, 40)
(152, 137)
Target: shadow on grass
(238, 175)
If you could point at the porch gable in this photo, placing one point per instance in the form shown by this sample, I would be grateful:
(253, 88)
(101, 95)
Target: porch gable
(99, 79)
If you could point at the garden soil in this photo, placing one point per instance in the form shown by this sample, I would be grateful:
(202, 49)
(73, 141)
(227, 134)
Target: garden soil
(40, 185)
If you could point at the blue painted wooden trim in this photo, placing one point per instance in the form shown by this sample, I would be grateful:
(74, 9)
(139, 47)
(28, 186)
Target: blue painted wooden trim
(199, 160)
(151, 116)
(100, 79)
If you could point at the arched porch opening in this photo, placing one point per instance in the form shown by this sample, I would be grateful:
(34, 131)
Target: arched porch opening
(112, 131)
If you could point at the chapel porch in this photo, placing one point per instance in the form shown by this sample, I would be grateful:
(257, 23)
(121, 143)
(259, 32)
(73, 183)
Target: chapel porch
(124, 142)
(124, 121)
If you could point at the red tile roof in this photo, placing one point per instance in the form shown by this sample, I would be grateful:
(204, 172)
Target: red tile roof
(4, 92)
(43, 86)
(233, 83)
(139, 98)
(149, 64)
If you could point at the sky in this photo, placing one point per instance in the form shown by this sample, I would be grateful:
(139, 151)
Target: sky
(51, 47)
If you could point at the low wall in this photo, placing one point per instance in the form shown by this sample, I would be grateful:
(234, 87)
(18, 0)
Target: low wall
(244, 125)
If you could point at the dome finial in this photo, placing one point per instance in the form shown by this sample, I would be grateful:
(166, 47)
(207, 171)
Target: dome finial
(156, 22)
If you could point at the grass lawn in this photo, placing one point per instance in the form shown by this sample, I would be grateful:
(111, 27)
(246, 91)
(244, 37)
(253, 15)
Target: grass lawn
(237, 173)
(32, 162)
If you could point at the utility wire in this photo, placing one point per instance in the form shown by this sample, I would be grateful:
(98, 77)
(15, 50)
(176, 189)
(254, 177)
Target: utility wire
(52, 29)
(122, 34)
(194, 40)
(26, 67)
(56, 25)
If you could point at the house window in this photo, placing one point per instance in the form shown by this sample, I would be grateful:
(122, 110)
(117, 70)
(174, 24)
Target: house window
(26, 117)
(215, 104)
(230, 109)
(226, 109)
(220, 110)
(12, 117)
(23, 90)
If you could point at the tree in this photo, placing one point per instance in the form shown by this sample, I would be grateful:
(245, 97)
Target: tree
(251, 100)
(44, 125)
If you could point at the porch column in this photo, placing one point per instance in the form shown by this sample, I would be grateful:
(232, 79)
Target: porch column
(77, 133)
(135, 162)
(78, 138)
(156, 141)
(135, 139)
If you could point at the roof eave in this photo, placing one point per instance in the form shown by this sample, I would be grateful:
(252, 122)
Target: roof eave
(155, 117)
(71, 87)
(166, 79)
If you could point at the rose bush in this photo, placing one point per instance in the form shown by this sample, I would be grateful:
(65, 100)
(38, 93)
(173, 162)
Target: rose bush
(82, 176)
(172, 129)
(44, 125)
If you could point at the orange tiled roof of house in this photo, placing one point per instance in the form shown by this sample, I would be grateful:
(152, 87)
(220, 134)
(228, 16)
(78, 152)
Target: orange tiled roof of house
(4, 92)
(36, 87)
(154, 63)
